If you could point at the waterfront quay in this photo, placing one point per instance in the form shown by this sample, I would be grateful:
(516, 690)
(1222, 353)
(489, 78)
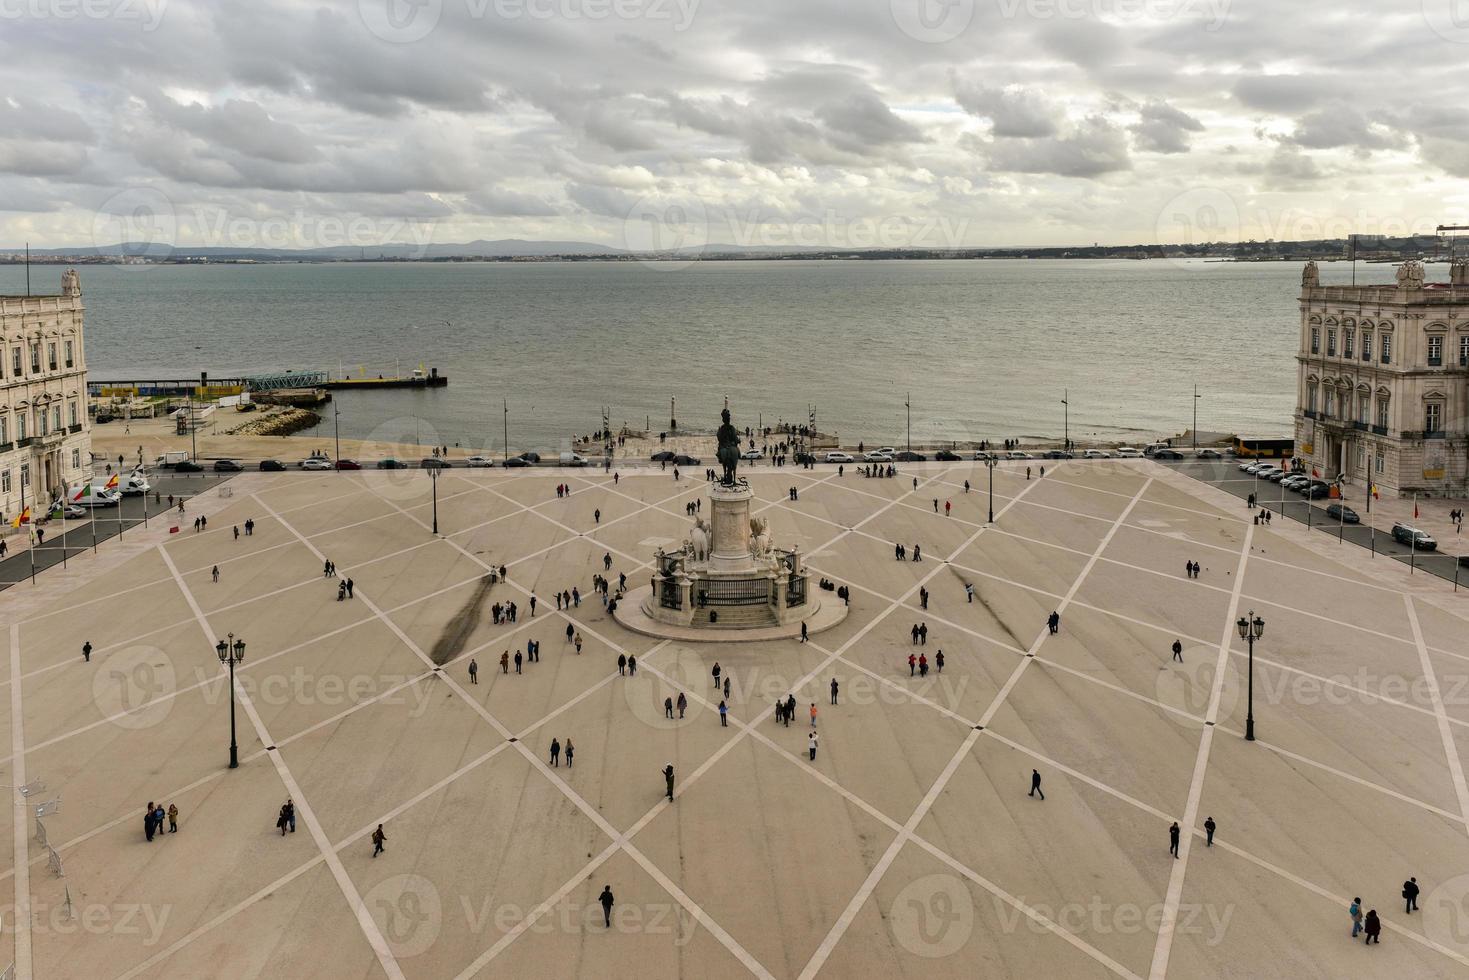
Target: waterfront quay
(909, 845)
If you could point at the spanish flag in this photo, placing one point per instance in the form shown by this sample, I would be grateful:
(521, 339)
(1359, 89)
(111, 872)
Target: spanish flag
(23, 518)
(1375, 494)
(112, 483)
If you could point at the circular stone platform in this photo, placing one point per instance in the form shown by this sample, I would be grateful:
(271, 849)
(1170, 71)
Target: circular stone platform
(827, 612)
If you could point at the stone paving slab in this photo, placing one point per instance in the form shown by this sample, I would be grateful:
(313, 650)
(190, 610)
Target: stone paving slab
(767, 863)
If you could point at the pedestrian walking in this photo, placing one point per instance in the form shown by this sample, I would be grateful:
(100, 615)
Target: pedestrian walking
(1035, 784)
(517, 661)
(1178, 651)
(723, 715)
(87, 652)
(917, 553)
(597, 516)
(947, 505)
(922, 597)
(377, 840)
(938, 661)
(606, 899)
(716, 672)
(923, 665)
(148, 828)
(912, 664)
(577, 643)
(923, 634)
(632, 666)
(668, 707)
(682, 704)
(805, 636)
(1173, 840)
(473, 671)
(969, 591)
(215, 574)
(726, 687)
(555, 752)
(622, 663)
(1410, 895)
(349, 587)
(668, 779)
(1355, 911)
(173, 818)
(505, 662)
(834, 688)
(1373, 928)
(237, 532)
(1209, 826)
(533, 606)
(568, 750)
(811, 742)
(1054, 622)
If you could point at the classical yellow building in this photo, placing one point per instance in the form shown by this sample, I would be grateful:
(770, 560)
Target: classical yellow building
(45, 436)
(1383, 381)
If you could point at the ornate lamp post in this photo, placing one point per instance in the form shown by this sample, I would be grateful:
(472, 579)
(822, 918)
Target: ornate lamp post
(433, 475)
(1251, 628)
(232, 651)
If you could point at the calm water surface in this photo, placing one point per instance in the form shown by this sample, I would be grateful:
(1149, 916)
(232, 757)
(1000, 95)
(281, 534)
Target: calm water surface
(985, 347)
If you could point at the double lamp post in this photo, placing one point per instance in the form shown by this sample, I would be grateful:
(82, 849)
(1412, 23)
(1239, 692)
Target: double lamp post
(232, 651)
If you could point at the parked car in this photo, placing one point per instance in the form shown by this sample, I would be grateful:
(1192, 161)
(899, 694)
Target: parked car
(909, 456)
(1058, 454)
(983, 455)
(433, 463)
(838, 457)
(1096, 454)
(531, 458)
(1128, 452)
(479, 462)
(516, 461)
(1294, 480)
(226, 466)
(314, 463)
(1018, 454)
(272, 466)
(188, 466)
(663, 456)
(348, 464)
(1409, 535)
(803, 458)
(391, 464)
(1316, 490)
(1276, 476)
(752, 454)
(1153, 449)
(682, 460)
(876, 456)
(1167, 454)
(1209, 454)
(1343, 513)
(68, 510)
(1244, 467)
(945, 456)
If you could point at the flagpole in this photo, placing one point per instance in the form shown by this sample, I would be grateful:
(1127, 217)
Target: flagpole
(93, 499)
(1413, 541)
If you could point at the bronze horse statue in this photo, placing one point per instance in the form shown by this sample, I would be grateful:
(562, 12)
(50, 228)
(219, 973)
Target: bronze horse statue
(729, 449)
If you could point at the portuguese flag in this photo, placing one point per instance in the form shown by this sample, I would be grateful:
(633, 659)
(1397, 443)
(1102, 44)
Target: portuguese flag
(83, 493)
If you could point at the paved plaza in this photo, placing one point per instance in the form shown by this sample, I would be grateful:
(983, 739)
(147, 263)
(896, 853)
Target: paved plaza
(909, 847)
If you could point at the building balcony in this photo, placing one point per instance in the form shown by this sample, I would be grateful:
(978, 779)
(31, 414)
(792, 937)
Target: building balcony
(6, 447)
(1310, 413)
(1360, 426)
(1425, 434)
(22, 443)
(1380, 430)
(74, 428)
(1435, 362)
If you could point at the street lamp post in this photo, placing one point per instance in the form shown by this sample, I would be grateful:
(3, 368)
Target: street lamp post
(337, 429)
(1194, 431)
(990, 464)
(1251, 628)
(433, 475)
(232, 651)
(1065, 421)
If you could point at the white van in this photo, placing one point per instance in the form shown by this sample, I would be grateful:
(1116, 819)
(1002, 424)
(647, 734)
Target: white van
(134, 485)
(94, 494)
(170, 458)
(573, 459)
(1127, 452)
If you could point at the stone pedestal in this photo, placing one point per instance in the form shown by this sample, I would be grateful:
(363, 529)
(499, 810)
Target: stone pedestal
(729, 546)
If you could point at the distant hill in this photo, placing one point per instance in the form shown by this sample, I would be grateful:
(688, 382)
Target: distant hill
(503, 248)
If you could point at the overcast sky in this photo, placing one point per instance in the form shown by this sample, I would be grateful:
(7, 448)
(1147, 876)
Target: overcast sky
(666, 122)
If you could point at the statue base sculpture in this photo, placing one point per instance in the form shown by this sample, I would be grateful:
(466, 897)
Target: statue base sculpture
(728, 580)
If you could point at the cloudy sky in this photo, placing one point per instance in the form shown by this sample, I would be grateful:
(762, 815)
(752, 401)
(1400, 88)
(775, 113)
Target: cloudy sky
(655, 123)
